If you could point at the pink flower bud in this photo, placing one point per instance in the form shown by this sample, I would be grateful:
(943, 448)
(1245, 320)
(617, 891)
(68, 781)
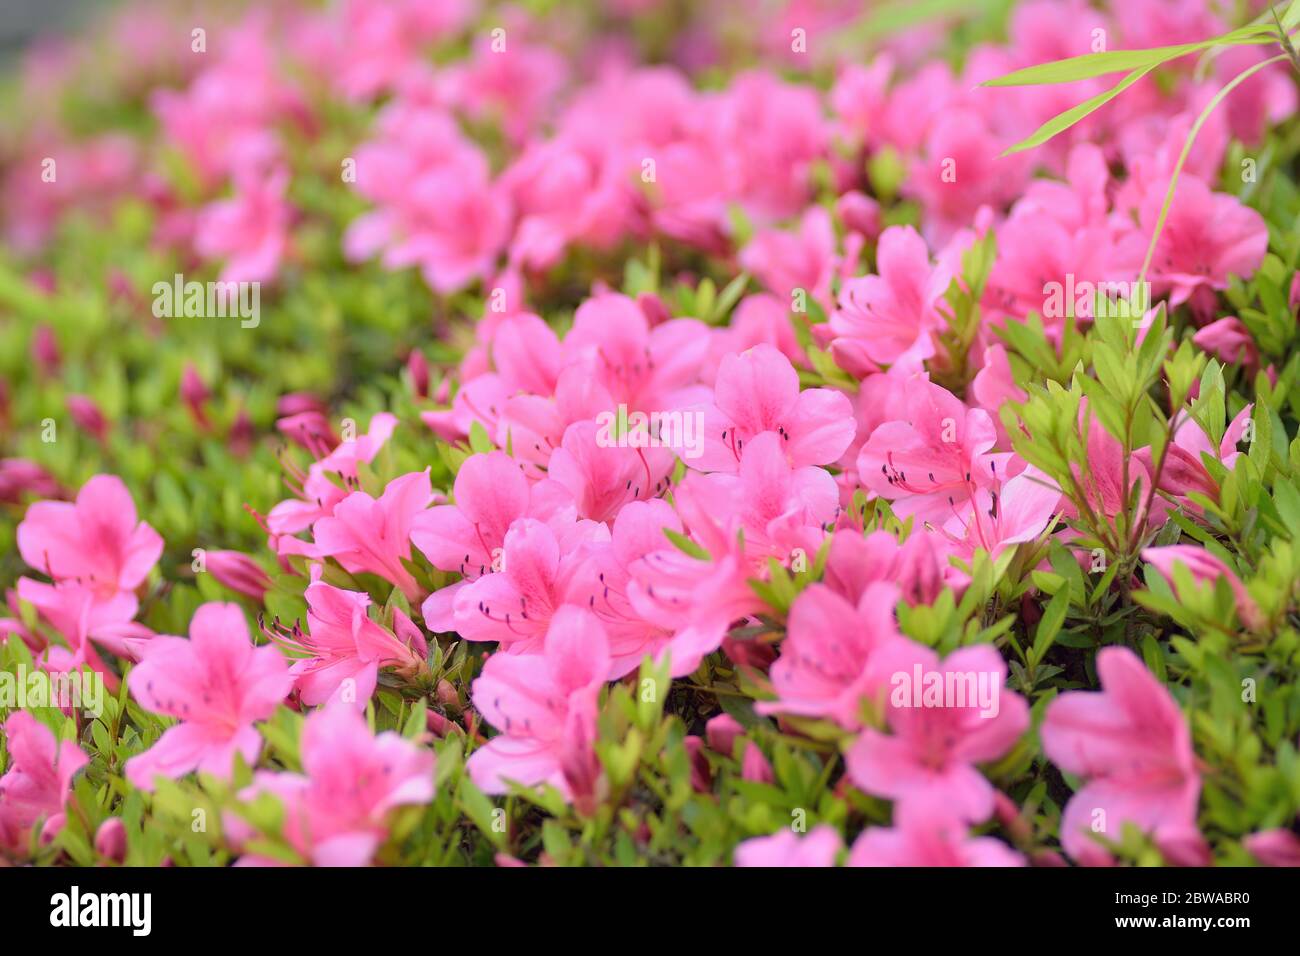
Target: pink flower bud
(754, 765)
(439, 725)
(859, 213)
(88, 417)
(195, 393)
(1274, 847)
(45, 350)
(1205, 567)
(297, 402)
(701, 777)
(753, 654)
(20, 477)
(238, 572)
(656, 313)
(110, 839)
(418, 368)
(240, 436)
(721, 733)
(1228, 340)
(311, 430)
(45, 281)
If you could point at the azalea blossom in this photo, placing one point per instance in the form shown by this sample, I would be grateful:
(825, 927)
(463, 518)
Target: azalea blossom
(818, 848)
(38, 782)
(544, 706)
(97, 540)
(1130, 744)
(337, 809)
(217, 684)
(935, 742)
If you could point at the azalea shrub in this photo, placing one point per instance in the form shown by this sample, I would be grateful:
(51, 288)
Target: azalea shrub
(448, 432)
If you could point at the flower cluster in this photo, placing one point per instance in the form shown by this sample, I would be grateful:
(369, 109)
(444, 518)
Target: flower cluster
(717, 414)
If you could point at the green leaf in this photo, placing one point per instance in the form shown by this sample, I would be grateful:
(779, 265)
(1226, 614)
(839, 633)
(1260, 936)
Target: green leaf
(1063, 121)
(1050, 625)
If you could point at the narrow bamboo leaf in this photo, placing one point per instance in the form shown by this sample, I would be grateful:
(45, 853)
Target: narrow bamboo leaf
(1063, 121)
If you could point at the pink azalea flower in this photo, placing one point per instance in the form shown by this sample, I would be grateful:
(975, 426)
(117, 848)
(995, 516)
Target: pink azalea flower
(38, 783)
(319, 493)
(917, 566)
(786, 848)
(1184, 470)
(526, 354)
(926, 832)
(376, 41)
(224, 121)
(1102, 475)
(721, 733)
(860, 214)
(938, 738)
(336, 811)
(345, 648)
(691, 599)
(544, 706)
(1228, 340)
(645, 369)
(309, 428)
(490, 493)
(757, 391)
(860, 96)
(373, 535)
(1043, 31)
(1207, 237)
(110, 840)
(831, 661)
(1152, 22)
(887, 319)
(960, 170)
(1264, 100)
(250, 231)
(97, 541)
(537, 578)
(1018, 510)
(447, 216)
(1058, 248)
(82, 615)
(1130, 744)
(770, 132)
(603, 478)
(758, 319)
(754, 766)
(805, 260)
(994, 385)
(516, 86)
(688, 200)
(1205, 567)
(932, 463)
(563, 195)
(217, 683)
(779, 508)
